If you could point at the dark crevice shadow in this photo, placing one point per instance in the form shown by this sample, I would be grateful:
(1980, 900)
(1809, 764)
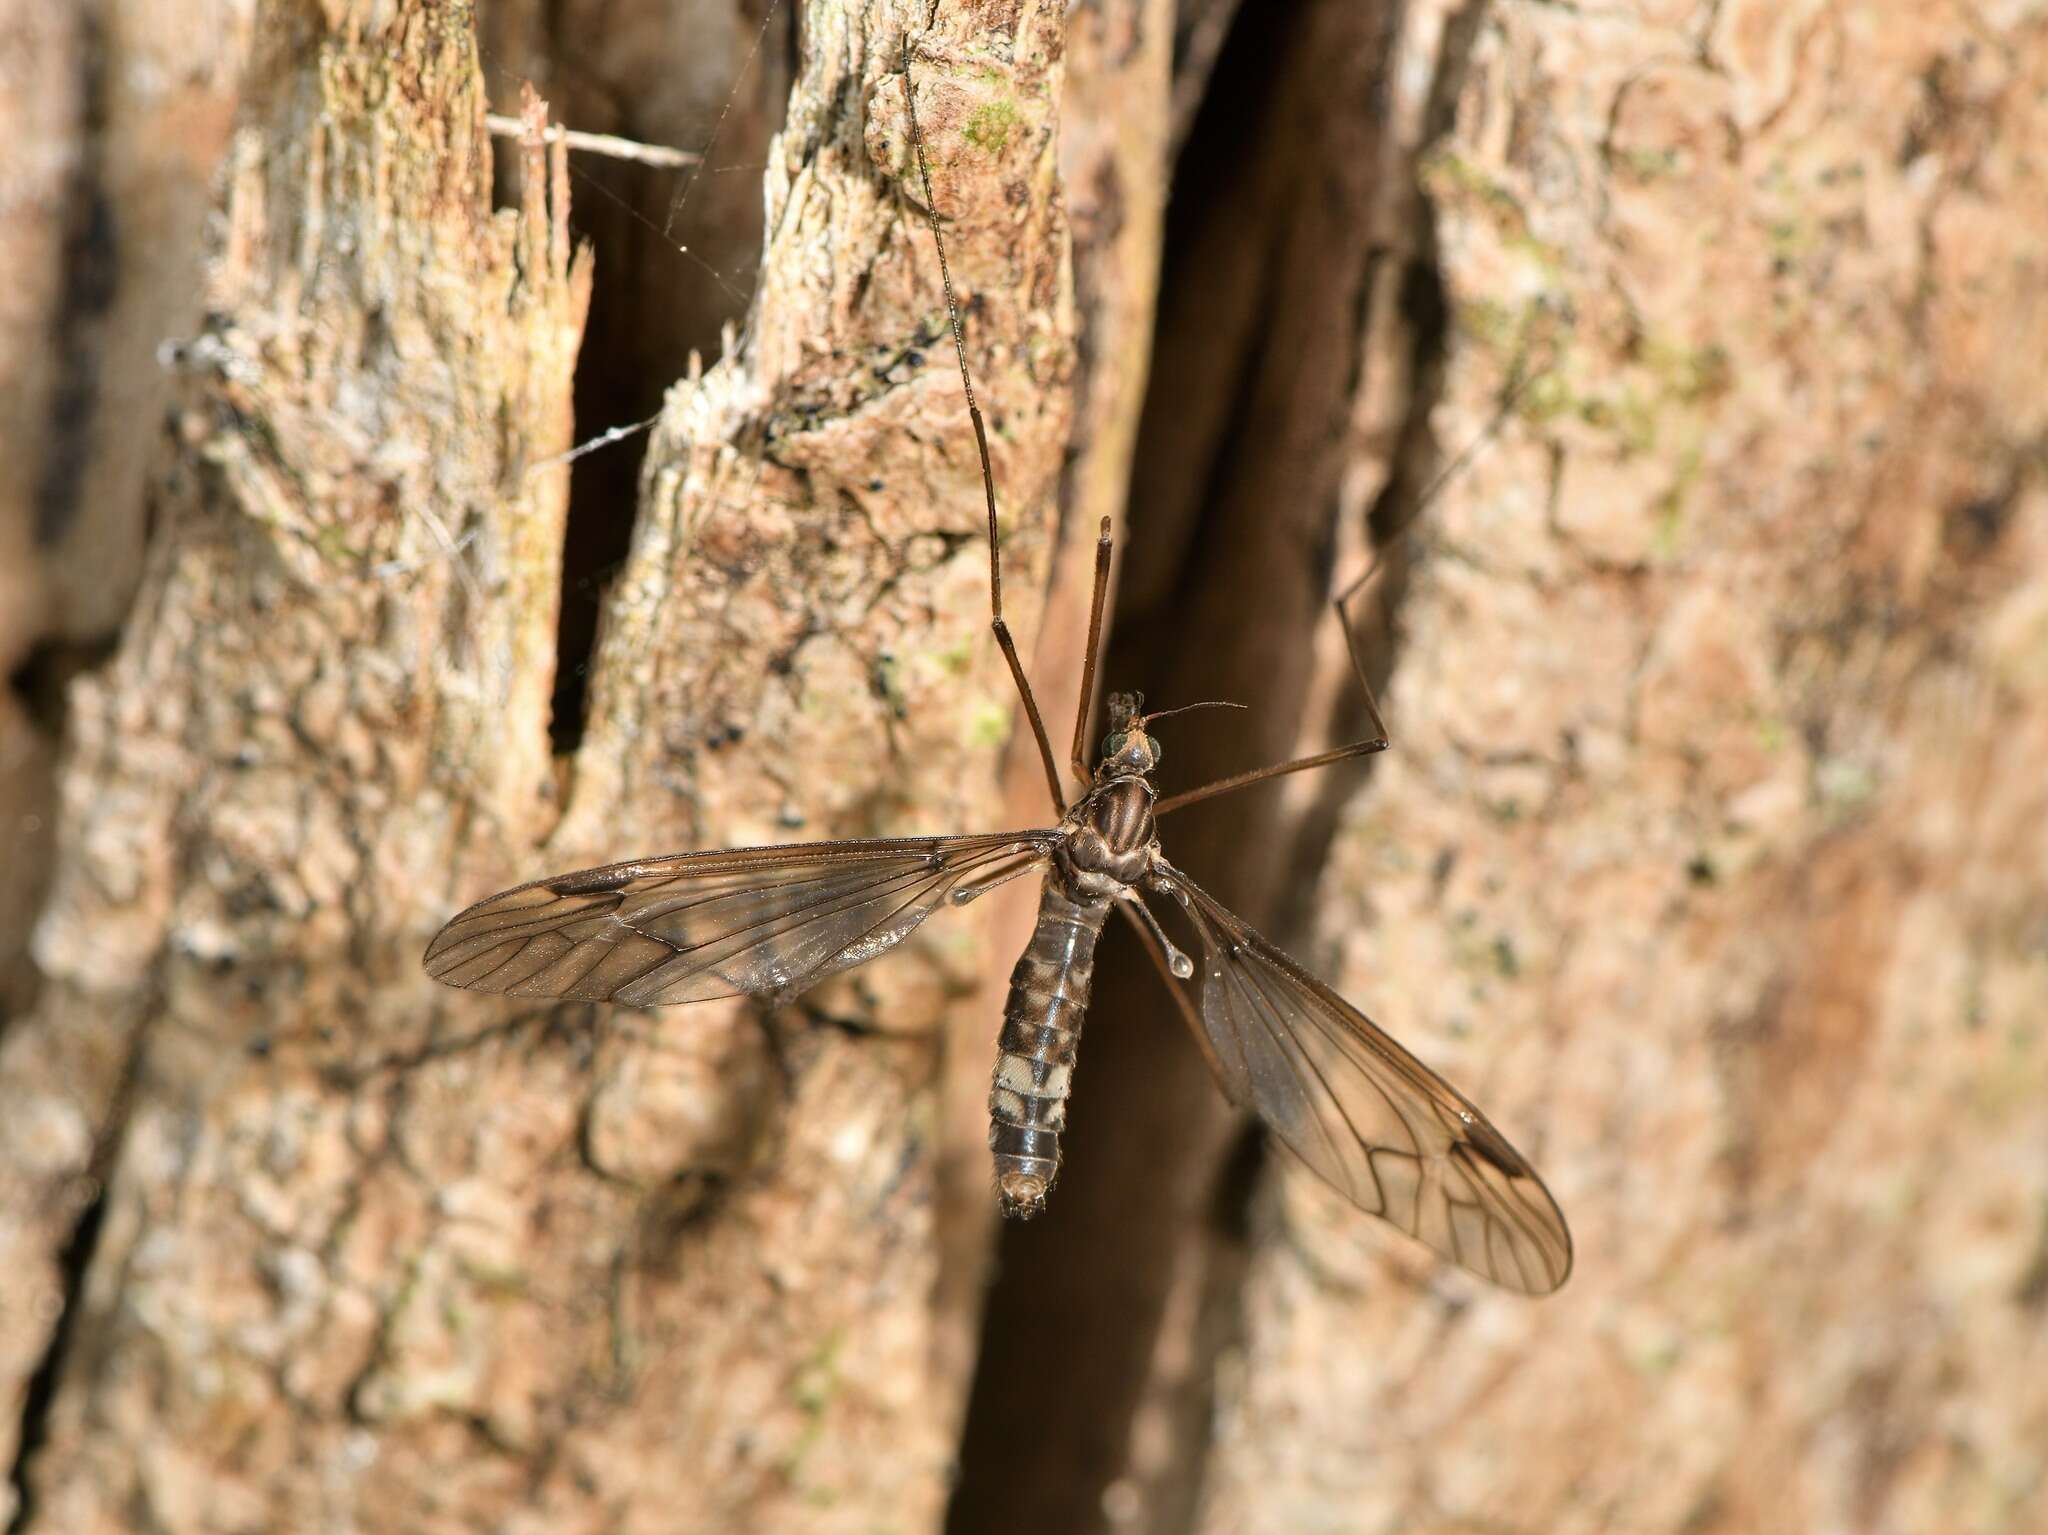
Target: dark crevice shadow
(74, 1268)
(620, 378)
(674, 252)
(90, 281)
(74, 1259)
(1222, 591)
(1265, 319)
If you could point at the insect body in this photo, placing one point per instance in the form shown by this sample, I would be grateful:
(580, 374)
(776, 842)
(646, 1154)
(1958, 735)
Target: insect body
(1368, 1117)
(1107, 848)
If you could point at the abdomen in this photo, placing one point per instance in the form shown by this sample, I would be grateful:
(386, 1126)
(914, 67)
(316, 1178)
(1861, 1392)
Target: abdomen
(1027, 1102)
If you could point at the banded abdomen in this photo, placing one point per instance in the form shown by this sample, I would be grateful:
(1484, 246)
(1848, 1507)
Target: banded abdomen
(1027, 1102)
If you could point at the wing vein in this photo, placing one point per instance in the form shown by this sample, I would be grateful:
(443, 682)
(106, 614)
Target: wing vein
(1338, 1092)
(693, 926)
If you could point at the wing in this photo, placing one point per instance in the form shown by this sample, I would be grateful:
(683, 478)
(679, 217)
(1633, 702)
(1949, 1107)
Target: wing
(1379, 1126)
(701, 925)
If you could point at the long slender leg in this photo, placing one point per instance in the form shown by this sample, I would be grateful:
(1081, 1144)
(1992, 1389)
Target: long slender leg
(988, 474)
(1082, 770)
(1376, 742)
(1188, 1014)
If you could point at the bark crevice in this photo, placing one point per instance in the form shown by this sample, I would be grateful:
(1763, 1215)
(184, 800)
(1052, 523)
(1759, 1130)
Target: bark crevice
(73, 1272)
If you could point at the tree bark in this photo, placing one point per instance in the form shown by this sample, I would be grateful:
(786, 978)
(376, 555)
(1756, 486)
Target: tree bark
(301, 1239)
(1707, 859)
(1708, 856)
(255, 801)
(117, 112)
(116, 121)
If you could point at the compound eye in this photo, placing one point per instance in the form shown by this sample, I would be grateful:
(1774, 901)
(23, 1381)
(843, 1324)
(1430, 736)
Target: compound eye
(1157, 750)
(1114, 744)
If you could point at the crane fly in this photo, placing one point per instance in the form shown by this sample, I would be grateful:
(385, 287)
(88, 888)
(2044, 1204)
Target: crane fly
(1379, 1126)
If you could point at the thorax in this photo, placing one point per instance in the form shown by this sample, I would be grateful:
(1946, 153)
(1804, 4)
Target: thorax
(1110, 837)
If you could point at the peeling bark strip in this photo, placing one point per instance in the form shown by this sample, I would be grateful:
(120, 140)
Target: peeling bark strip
(676, 1275)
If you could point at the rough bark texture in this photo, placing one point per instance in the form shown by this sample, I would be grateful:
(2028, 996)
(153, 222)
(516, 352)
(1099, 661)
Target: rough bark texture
(1709, 857)
(116, 115)
(364, 1256)
(258, 792)
(817, 666)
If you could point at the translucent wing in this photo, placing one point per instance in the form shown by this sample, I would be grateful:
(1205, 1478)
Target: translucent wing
(700, 925)
(1382, 1128)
